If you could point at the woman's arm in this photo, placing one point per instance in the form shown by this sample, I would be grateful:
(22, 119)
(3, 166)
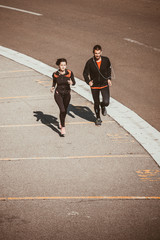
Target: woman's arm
(72, 80)
(53, 83)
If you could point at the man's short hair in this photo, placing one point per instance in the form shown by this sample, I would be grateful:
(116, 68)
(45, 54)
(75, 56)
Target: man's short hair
(97, 47)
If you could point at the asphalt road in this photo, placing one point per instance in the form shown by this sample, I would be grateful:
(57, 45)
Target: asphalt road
(71, 28)
(97, 182)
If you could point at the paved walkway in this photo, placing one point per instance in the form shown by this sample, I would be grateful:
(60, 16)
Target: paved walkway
(143, 132)
(74, 173)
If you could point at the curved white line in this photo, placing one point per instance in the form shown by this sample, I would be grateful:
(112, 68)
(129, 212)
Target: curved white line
(141, 44)
(20, 10)
(142, 131)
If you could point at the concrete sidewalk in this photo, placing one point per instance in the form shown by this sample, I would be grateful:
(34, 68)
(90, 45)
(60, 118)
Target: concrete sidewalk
(143, 132)
(90, 163)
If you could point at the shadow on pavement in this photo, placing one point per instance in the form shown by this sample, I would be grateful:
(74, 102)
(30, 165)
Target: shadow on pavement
(81, 111)
(48, 120)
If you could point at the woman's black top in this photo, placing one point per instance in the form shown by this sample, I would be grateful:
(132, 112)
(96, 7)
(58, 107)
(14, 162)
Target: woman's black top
(61, 80)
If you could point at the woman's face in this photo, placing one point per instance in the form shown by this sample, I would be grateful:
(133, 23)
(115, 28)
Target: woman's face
(62, 66)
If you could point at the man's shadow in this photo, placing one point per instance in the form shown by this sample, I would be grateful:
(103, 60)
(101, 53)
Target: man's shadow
(48, 120)
(81, 111)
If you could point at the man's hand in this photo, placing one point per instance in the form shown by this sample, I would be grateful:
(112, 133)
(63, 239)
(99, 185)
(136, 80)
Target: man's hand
(109, 82)
(52, 89)
(91, 83)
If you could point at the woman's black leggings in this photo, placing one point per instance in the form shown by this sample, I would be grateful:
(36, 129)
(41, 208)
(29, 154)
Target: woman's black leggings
(63, 101)
(96, 97)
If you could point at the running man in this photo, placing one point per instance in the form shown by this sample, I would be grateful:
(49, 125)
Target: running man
(63, 78)
(97, 74)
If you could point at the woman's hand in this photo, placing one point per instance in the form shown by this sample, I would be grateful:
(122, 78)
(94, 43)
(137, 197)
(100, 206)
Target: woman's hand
(52, 89)
(70, 82)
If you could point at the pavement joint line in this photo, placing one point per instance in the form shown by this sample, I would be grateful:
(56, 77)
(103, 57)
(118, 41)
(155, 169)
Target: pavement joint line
(82, 198)
(23, 97)
(42, 124)
(27, 70)
(77, 157)
(142, 131)
(43, 81)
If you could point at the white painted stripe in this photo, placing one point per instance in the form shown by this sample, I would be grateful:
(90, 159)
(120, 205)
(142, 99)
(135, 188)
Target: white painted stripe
(143, 132)
(21, 10)
(141, 44)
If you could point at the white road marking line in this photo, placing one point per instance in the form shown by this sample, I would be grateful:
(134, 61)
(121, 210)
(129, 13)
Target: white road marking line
(21, 10)
(142, 44)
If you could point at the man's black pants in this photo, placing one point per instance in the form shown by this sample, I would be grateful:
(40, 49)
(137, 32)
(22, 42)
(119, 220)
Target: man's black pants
(96, 97)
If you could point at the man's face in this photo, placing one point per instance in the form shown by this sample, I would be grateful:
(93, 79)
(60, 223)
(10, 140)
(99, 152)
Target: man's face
(97, 54)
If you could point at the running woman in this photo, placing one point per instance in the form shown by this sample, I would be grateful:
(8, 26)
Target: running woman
(62, 79)
(97, 74)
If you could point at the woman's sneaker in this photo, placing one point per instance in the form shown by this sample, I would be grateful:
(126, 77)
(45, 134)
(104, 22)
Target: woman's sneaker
(59, 126)
(63, 131)
(98, 122)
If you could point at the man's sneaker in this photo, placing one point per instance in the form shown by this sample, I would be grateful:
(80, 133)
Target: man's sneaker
(104, 111)
(98, 121)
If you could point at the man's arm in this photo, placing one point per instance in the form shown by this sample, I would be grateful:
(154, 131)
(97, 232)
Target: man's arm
(109, 73)
(86, 73)
(109, 69)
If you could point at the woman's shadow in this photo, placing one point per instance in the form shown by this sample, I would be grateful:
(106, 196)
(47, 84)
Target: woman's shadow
(81, 111)
(51, 121)
(48, 120)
